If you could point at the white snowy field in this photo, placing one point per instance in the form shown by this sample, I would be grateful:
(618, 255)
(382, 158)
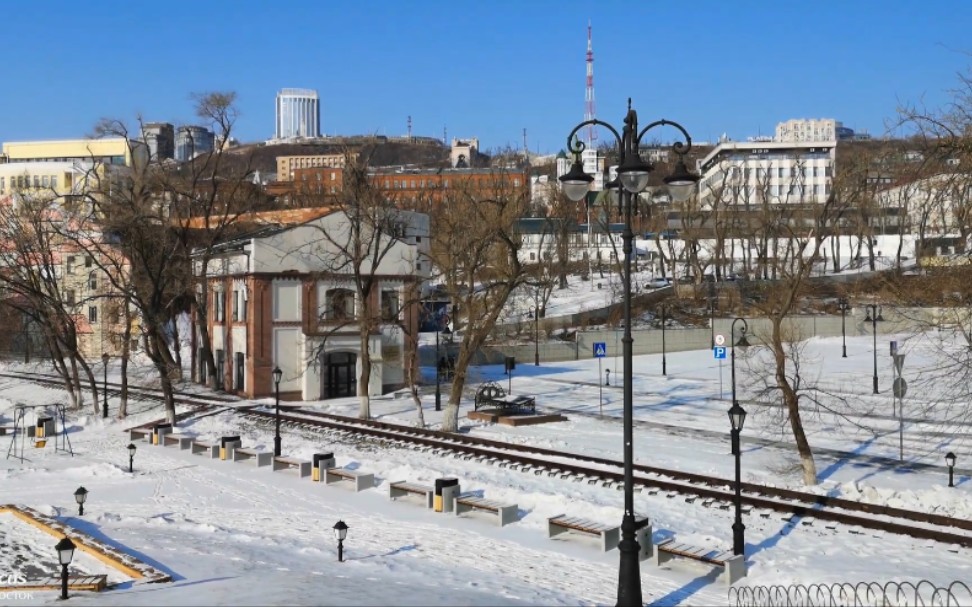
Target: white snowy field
(233, 534)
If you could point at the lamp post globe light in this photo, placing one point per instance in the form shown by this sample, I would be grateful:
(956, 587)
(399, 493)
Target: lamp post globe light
(843, 306)
(950, 461)
(80, 496)
(633, 174)
(340, 532)
(277, 376)
(104, 385)
(65, 554)
(131, 456)
(874, 316)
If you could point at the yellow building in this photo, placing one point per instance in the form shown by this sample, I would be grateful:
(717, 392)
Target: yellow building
(113, 150)
(286, 165)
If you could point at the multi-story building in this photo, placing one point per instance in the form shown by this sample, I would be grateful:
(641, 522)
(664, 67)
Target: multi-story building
(809, 129)
(191, 141)
(286, 165)
(742, 173)
(298, 114)
(160, 139)
(113, 150)
(297, 312)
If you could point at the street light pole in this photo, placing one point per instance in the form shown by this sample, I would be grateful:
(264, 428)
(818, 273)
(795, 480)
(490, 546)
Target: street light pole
(438, 373)
(664, 363)
(737, 417)
(874, 318)
(844, 306)
(104, 405)
(633, 174)
(536, 336)
(277, 376)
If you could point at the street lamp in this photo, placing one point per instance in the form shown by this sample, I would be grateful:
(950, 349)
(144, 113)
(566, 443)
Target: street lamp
(950, 460)
(340, 532)
(277, 376)
(873, 316)
(607, 377)
(737, 417)
(633, 174)
(80, 496)
(104, 406)
(843, 306)
(439, 366)
(536, 336)
(131, 456)
(65, 554)
(664, 322)
(711, 315)
(742, 343)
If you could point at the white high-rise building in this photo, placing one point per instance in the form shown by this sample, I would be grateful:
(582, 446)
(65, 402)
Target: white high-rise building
(298, 113)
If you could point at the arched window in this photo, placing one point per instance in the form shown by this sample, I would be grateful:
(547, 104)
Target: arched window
(93, 280)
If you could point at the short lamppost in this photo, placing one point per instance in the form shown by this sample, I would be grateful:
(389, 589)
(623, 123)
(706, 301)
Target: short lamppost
(664, 322)
(440, 365)
(340, 532)
(843, 306)
(536, 336)
(65, 554)
(607, 377)
(131, 457)
(277, 376)
(80, 496)
(737, 417)
(104, 406)
(950, 460)
(873, 316)
(712, 315)
(633, 175)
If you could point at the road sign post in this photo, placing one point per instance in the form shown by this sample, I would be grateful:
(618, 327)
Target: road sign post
(719, 353)
(898, 389)
(600, 351)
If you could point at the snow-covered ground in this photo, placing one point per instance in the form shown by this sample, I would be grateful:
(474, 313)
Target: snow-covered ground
(234, 534)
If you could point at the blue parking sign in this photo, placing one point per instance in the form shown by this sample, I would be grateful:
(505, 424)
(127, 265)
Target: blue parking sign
(600, 349)
(719, 352)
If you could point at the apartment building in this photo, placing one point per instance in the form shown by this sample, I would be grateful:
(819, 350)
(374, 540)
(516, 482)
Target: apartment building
(286, 165)
(112, 150)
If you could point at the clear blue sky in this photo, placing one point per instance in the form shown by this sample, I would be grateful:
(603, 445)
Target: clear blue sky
(480, 69)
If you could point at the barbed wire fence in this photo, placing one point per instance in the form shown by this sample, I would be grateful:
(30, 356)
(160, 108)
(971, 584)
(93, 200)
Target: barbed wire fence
(847, 594)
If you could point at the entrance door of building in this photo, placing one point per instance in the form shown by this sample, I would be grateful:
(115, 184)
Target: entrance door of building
(339, 375)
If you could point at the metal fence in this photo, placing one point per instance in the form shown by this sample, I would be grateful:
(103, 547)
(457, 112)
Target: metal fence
(861, 594)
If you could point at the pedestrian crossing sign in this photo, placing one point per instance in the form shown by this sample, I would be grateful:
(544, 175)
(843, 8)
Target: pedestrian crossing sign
(600, 349)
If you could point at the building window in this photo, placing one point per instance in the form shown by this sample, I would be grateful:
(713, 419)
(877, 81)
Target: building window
(390, 305)
(92, 314)
(239, 305)
(533, 256)
(45, 181)
(339, 304)
(70, 264)
(69, 297)
(93, 280)
(53, 181)
(219, 305)
(37, 182)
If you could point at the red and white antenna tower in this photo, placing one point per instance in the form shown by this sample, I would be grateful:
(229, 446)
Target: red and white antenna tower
(589, 93)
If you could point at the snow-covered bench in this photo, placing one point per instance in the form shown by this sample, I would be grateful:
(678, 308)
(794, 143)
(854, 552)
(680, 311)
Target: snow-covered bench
(610, 535)
(302, 466)
(140, 434)
(506, 513)
(734, 565)
(361, 480)
(201, 447)
(401, 488)
(182, 440)
(260, 458)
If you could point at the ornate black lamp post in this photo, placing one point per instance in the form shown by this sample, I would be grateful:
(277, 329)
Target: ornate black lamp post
(277, 376)
(104, 405)
(65, 554)
(873, 316)
(950, 461)
(340, 532)
(843, 306)
(80, 496)
(737, 417)
(633, 174)
(131, 457)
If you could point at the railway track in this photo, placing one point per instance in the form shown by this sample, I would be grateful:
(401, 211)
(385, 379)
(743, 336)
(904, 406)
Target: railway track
(652, 480)
(711, 490)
